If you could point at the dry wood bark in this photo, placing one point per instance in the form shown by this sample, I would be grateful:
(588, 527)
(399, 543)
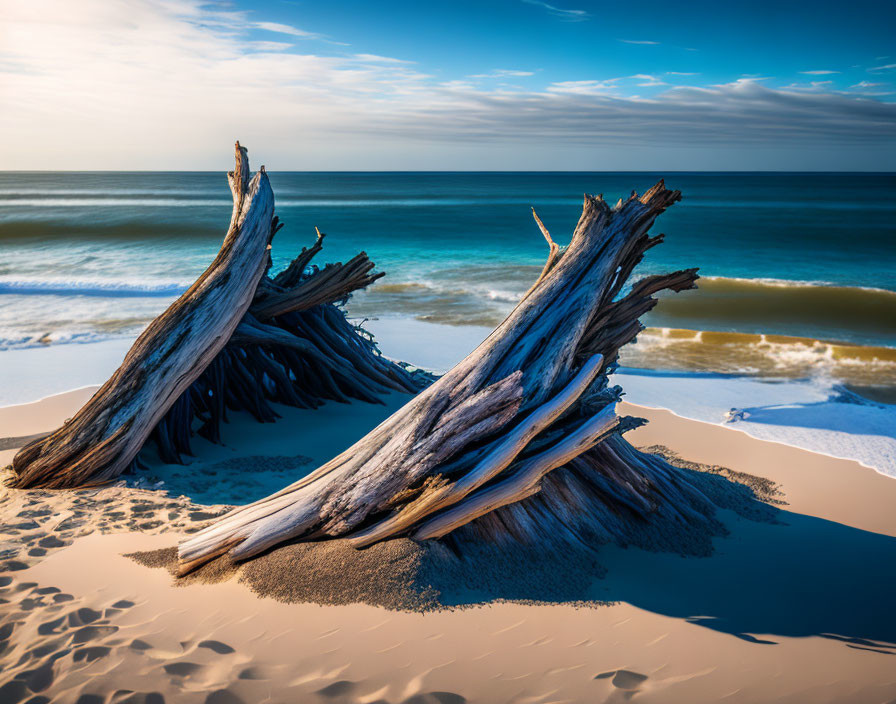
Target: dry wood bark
(517, 441)
(237, 339)
(294, 346)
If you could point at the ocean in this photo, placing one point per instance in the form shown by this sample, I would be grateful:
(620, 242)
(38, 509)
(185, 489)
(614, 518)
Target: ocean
(799, 269)
(794, 322)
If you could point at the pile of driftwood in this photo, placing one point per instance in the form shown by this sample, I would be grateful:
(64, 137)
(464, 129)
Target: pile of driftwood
(519, 441)
(236, 339)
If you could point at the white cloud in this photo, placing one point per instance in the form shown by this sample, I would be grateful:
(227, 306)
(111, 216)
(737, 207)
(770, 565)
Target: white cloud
(818, 73)
(377, 59)
(568, 15)
(604, 87)
(811, 85)
(279, 28)
(269, 46)
(681, 73)
(648, 80)
(638, 41)
(129, 84)
(503, 73)
(285, 29)
(885, 67)
(870, 88)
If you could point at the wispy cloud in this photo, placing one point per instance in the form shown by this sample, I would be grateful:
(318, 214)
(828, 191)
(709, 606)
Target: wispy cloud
(604, 87)
(870, 88)
(503, 73)
(741, 113)
(568, 15)
(285, 29)
(682, 73)
(885, 67)
(811, 85)
(279, 28)
(269, 46)
(638, 41)
(818, 73)
(377, 59)
(165, 85)
(647, 80)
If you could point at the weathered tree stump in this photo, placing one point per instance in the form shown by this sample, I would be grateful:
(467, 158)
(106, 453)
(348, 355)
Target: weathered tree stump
(294, 346)
(236, 339)
(520, 440)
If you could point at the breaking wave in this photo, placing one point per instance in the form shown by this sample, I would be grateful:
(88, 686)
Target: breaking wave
(92, 287)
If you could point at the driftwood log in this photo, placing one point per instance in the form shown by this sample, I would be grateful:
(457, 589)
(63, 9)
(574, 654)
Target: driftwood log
(237, 339)
(293, 346)
(520, 440)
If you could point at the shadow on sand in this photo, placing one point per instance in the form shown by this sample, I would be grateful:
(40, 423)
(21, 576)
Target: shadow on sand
(802, 576)
(777, 573)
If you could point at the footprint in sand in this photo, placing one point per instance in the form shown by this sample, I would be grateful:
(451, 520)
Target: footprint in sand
(337, 689)
(89, 633)
(13, 566)
(183, 669)
(202, 516)
(82, 617)
(223, 696)
(436, 698)
(125, 696)
(217, 646)
(51, 541)
(51, 626)
(117, 608)
(91, 653)
(53, 648)
(14, 691)
(30, 603)
(6, 631)
(254, 673)
(38, 679)
(623, 679)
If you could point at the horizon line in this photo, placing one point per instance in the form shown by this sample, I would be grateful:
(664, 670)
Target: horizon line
(453, 171)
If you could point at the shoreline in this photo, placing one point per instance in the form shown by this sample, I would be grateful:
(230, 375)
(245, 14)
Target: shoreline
(812, 414)
(770, 434)
(65, 404)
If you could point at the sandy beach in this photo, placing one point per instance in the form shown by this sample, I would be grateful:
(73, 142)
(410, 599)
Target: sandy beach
(522, 352)
(793, 606)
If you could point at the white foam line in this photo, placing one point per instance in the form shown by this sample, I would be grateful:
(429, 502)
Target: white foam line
(107, 202)
(734, 428)
(795, 283)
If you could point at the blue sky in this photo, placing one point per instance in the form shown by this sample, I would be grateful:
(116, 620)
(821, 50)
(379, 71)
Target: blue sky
(570, 41)
(500, 84)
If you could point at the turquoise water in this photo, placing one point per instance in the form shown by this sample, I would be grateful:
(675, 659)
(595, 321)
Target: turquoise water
(91, 256)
